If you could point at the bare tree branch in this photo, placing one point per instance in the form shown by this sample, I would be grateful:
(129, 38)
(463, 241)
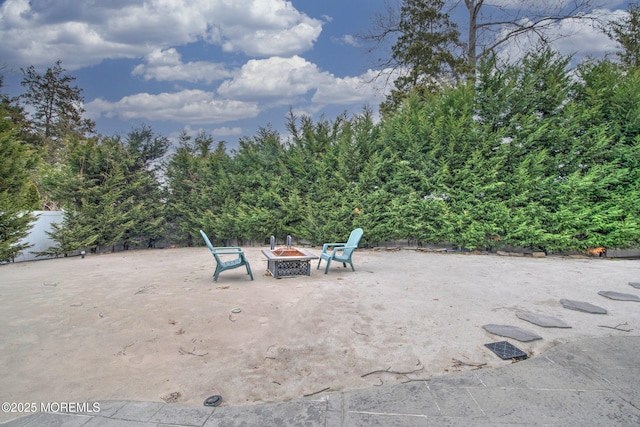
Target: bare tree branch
(489, 25)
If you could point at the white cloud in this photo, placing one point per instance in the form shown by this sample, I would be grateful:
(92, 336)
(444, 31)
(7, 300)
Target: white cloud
(187, 107)
(584, 39)
(227, 131)
(275, 77)
(216, 132)
(266, 28)
(368, 88)
(547, 5)
(530, 4)
(578, 37)
(280, 80)
(257, 86)
(167, 65)
(348, 39)
(83, 33)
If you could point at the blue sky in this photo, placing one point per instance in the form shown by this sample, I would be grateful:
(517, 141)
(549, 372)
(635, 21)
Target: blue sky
(223, 66)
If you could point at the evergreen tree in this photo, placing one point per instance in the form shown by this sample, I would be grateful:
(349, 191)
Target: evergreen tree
(425, 51)
(58, 110)
(627, 33)
(259, 165)
(182, 175)
(144, 156)
(605, 186)
(15, 204)
(110, 194)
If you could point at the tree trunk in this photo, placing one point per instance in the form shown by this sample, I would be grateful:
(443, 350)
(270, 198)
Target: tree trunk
(473, 7)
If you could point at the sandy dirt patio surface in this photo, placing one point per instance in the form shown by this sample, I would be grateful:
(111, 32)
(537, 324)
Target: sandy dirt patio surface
(148, 325)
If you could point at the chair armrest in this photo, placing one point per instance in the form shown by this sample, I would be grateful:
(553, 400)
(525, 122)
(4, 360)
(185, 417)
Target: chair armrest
(228, 251)
(342, 248)
(331, 245)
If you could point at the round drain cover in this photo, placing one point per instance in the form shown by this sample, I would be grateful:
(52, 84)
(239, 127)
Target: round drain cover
(213, 400)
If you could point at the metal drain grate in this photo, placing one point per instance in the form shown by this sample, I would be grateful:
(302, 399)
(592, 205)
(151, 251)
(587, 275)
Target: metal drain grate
(505, 350)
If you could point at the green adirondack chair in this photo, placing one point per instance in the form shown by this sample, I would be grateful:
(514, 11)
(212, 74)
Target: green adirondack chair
(237, 261)
(341, 252)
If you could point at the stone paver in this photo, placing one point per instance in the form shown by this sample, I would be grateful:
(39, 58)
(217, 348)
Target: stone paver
(512, 332)
(582, 306)
(619, 296)
(542, 320)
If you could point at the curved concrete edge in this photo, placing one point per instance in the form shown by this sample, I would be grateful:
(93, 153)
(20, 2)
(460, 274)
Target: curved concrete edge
(588, 382)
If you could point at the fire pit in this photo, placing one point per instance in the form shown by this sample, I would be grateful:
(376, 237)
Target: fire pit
(288, 262)
(288, 252)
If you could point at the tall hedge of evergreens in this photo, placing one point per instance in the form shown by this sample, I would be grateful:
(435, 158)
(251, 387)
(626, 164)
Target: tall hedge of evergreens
(534, 154)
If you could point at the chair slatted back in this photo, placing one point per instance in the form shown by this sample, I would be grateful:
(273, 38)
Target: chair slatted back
(352, 243)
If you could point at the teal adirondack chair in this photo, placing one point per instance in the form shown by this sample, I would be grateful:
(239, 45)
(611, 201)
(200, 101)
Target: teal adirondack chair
(221, 265)
(341, 252)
